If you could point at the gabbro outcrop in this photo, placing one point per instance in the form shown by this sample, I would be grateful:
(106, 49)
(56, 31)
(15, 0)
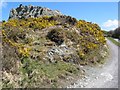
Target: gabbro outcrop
(31, 11)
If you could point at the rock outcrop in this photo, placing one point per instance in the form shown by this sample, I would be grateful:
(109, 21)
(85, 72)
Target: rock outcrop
(31, 11)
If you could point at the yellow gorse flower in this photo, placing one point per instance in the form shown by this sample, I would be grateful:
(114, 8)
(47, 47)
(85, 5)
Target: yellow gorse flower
(24, 51)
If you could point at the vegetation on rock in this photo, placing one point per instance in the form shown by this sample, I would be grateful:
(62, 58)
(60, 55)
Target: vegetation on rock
(43, 51)
(113, 33)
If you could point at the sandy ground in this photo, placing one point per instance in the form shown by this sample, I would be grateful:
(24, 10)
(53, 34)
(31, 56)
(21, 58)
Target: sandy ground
(103, 76)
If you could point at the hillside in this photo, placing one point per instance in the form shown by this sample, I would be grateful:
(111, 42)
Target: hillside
(47, 50)
(114, 33)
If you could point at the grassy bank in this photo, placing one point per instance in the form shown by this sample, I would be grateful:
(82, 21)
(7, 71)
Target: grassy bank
(115, 42)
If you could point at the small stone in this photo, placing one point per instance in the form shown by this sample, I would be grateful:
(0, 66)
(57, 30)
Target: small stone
(96, 77)
(81, 86)
(72, 83)
(85, 77)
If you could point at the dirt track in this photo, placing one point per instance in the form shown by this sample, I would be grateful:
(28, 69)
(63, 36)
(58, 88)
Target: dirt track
(105, 76)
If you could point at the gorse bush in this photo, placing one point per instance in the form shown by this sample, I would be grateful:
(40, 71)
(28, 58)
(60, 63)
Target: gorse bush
(56, 35)
(35, 23)
(91, 38)
(43, 50)
(92, 29)
(85, 36)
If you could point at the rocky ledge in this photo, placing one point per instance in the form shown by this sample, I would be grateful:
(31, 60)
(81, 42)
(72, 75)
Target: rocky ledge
(31, 11)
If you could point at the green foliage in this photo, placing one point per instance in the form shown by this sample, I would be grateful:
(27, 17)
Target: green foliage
(6, 84)
(56, 35)
(33, 72)
(115, 42)
(114, 33)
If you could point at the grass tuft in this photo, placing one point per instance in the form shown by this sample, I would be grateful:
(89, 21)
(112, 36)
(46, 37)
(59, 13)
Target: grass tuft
(115, 42)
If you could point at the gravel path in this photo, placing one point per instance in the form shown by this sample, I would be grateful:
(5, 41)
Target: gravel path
(104, 76)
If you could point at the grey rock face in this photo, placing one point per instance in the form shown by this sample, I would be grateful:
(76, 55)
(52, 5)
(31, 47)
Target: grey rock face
(31, 11)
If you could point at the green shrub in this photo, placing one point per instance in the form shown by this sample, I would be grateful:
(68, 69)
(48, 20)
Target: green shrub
(56, 35)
